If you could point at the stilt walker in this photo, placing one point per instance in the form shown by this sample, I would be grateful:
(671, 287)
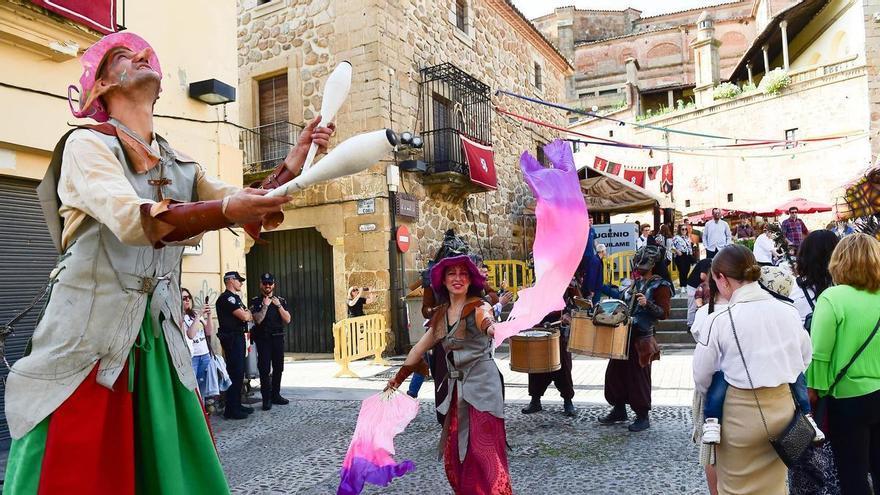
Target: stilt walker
(105, 402)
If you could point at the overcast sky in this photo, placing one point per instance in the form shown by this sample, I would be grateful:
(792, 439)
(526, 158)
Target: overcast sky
(537, 8)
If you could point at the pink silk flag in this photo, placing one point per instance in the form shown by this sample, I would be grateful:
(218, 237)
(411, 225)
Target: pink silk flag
(370, 457)
(560, 238)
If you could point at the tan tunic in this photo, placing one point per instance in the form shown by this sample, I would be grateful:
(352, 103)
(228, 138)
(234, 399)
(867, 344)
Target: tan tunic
(92, 184)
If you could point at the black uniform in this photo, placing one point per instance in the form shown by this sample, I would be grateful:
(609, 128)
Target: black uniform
(231, 334)
(269, 337)
(538, 382)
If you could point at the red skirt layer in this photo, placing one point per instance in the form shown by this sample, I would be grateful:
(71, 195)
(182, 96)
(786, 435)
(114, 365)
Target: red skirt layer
(484, 470)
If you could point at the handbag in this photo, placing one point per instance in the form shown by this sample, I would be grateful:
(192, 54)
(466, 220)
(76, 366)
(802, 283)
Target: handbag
(250, 365)
(792, 443)
(223, 379)
(212, 384)
(808, 320)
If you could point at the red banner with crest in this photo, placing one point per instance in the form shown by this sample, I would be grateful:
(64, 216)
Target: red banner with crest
(99, 15)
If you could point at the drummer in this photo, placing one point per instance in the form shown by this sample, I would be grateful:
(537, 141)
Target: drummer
(629, 381)
(561, 378)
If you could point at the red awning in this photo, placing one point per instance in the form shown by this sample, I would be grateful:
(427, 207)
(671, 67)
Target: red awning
(803, 206)
(99, 15)
(481, 163)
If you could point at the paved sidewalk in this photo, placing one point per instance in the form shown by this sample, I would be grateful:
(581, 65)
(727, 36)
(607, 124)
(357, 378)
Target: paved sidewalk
(672, 379)
(299, 448)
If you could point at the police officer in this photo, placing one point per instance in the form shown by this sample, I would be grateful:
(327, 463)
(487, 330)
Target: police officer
(271, 313)
(233, 316)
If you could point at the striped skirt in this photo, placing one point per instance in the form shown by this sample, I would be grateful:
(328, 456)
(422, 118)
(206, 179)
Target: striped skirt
(148, 435)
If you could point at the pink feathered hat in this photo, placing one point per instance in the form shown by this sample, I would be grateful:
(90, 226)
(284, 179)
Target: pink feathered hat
(90, 106)
(438, 270)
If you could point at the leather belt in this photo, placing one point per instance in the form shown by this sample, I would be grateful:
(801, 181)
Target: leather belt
(138, 283)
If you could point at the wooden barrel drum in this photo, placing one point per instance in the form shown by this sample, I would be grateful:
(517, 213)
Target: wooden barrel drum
(535, 351)
(589, 339)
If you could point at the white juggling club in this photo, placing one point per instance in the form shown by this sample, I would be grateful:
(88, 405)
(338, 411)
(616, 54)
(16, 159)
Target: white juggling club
(335, 92)
(351, 156)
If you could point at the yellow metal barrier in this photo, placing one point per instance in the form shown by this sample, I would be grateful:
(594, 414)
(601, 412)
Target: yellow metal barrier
(618, 267)
(517, 274)
(359, 338)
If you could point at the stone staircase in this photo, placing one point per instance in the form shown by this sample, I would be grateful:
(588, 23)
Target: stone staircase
(673, 333)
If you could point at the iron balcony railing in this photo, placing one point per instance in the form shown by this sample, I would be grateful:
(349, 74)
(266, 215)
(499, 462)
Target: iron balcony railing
(443, 151)
(455, 104)
(266, 145)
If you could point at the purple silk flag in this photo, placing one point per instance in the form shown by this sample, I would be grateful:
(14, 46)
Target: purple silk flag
(370, 457)
(563, 227)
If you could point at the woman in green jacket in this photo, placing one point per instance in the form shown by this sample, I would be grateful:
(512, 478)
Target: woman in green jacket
(845, 318)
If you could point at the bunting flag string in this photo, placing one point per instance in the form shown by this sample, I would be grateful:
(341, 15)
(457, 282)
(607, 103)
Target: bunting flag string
(694, 150)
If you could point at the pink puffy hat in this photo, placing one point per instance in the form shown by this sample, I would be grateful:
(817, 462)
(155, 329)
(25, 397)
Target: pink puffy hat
(438, 270)
(90, 105)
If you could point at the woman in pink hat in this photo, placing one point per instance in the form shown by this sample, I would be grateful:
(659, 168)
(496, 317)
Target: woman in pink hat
(106, 402)
(474, 439)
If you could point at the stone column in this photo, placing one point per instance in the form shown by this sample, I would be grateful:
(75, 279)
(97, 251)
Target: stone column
(632, 84)
(782, 26)
(872, 64)
(766, 59)
(749, 68)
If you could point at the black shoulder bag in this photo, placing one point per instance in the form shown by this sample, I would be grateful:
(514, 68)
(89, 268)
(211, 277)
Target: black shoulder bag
(792, 443)
(808, 320)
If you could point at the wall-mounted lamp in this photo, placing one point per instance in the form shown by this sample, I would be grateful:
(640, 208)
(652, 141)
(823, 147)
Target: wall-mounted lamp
(212, 91)
(409, 144)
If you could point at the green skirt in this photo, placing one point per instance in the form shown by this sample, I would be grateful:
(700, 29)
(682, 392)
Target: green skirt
(148, 435)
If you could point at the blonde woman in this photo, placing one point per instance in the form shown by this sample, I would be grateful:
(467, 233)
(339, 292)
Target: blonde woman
(846, 360)
(358, 297)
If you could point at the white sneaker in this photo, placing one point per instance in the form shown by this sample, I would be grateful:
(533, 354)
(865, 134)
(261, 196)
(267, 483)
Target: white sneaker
(819, 436)
(711, 431)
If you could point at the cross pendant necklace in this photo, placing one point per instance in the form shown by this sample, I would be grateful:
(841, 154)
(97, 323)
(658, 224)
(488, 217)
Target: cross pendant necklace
(161, 182)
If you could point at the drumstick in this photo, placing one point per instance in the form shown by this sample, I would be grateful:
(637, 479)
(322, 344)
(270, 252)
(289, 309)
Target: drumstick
(335, 92)
(351, 156)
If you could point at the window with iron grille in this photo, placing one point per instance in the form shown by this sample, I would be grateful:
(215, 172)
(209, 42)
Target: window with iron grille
(730, 198)
(794, 184)
(687, 203)
(461, 15)
(455, 104)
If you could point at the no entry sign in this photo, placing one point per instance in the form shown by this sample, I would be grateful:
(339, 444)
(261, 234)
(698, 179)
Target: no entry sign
(403, 238)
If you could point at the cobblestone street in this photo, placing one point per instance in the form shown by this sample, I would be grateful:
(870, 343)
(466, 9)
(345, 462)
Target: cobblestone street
(299, 448)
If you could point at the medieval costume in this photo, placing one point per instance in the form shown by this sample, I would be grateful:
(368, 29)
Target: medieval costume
(106, 401)
(561, 378)
(473, 441)
(452, 245)
(629, 381)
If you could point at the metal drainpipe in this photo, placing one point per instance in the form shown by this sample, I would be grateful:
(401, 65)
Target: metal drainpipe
(397, 265)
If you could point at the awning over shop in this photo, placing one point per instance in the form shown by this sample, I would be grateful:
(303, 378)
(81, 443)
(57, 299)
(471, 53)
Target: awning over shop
(607, 193)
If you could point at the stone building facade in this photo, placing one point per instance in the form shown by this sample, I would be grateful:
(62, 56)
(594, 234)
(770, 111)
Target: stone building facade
(600, 42)
(829, 95)
(389, 43)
